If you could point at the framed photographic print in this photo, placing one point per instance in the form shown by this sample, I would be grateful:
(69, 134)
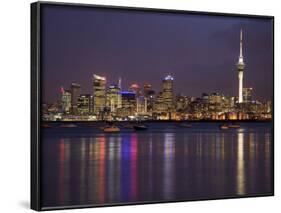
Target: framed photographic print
(137, 105)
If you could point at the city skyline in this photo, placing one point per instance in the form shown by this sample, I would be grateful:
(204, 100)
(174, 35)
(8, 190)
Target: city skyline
(200, 59)
(144, 106)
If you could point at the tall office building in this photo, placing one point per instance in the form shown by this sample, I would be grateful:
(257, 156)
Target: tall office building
(99, 94)
(240, 67)
(113, 97)
(128, 103)
(159, 106)
(150, 96)
(84, 105)
(167, 93)
(75, 93)
(247, 94)
(65, 100)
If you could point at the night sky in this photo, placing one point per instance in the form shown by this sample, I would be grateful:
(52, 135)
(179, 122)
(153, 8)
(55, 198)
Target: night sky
(199, 51)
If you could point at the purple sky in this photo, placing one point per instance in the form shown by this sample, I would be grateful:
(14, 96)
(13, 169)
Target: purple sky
(200, 51)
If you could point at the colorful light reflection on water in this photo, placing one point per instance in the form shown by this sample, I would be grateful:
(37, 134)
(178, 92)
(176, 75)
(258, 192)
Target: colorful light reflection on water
(83, 167)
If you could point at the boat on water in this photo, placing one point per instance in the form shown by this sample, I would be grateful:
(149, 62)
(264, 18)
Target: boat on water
(184, 125)
(68, 125)
(234, 126)
(230, 126)
(224, 126)
(111, 129)
(140, 127)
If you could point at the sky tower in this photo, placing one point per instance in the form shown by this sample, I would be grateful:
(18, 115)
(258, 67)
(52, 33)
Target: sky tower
(240, 67)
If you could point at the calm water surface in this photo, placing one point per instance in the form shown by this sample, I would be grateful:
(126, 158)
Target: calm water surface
(84, 166)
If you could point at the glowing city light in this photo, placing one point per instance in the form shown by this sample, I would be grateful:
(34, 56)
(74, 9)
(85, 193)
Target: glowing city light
(99, 77)
(169, 77)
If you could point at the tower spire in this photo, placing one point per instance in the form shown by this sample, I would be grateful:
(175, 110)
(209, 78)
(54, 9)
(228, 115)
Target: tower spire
(241, 59)
(240, 66)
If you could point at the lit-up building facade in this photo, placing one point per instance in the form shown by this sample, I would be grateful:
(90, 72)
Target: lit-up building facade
(75, 93)
(99, 94)
(136, 103)
(159, 106)
(85, 104)
(128, 104)
(112, 98)
(247, 95)
(167, 92)
(65, 101)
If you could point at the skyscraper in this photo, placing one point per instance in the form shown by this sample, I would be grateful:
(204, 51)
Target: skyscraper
(99, 94)
(167, 94)
(75, 93)
(240, 66)
(159, 106)
(128, 103)
(113, 97)
(65, 100)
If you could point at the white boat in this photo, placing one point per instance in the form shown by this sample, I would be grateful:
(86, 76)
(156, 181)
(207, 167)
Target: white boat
(224, 126)
(234, 126)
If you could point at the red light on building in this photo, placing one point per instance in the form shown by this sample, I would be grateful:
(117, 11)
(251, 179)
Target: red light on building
(135, 86)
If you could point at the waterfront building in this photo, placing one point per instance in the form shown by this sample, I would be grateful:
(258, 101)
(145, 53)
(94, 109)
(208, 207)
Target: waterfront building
(151, 100)
(84, 105)
(240, 67)
(65, 100)
(128, 104)
(181, 102)
(228, 103)
(215, 98)
(99, 95)
(215, 103)
(142, 105)
(247, 94)
(159, 104)
(268, 106)
(75, 93)
(205, 98)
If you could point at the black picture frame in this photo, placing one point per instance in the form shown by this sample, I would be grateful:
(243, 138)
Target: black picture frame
(35, 183)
